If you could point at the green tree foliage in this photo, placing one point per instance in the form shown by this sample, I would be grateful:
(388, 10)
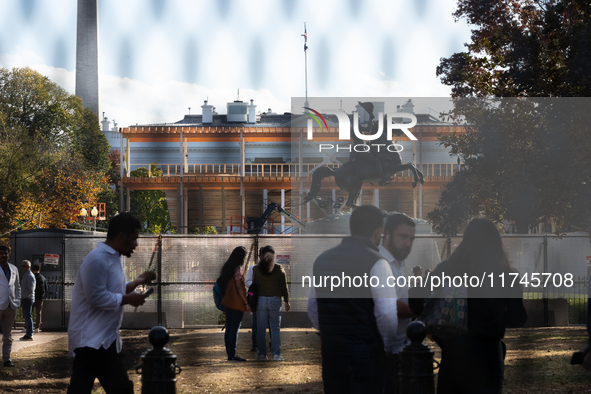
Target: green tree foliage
(527, 160)
(30, 100)
(206, 230)
(150, 206)
(520, 48)
(52, 154)
(91, 144)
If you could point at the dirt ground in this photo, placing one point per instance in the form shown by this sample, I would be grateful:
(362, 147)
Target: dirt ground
(537, 362)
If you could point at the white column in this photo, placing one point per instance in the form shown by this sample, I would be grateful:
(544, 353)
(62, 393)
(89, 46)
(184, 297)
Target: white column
(182, 229)
(308, 207)
(421, 169)
(414, 191)
(376, 198)
(265, 205)
(128, 200)
(242, 197)
(121, 209)
(186, 213)
(282, 206)
(334, 198)
(300, 175)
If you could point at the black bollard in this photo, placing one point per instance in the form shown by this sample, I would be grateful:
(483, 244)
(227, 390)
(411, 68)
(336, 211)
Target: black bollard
(416, 363)
(159, 367)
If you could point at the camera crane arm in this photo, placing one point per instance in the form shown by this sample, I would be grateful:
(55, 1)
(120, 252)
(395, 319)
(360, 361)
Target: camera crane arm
(270, 209)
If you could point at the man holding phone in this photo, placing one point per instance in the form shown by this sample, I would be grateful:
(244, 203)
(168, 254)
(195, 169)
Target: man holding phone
(100, 291)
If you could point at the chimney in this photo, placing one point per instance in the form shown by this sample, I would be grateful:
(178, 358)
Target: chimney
(207, 113)
(114, 131)
(105, 123)
(408, 107)
(252, 112)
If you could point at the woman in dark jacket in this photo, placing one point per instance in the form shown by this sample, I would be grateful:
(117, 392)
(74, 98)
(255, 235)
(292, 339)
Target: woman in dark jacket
(474, 362)
(232, 275)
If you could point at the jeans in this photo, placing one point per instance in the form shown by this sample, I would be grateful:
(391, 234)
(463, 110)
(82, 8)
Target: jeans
(7, 320)
(27, 305)
(233, 322)
(269, 313)
(254, 330)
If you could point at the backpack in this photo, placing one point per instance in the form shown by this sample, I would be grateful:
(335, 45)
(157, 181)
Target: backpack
(218, 296)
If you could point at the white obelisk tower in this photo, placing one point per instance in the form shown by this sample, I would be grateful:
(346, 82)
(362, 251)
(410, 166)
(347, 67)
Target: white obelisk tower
(87, 82)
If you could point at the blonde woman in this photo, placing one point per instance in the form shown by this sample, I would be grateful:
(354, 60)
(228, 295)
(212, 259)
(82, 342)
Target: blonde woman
(272, 285)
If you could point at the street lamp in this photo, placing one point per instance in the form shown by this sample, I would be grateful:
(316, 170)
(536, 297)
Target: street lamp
(93, 212)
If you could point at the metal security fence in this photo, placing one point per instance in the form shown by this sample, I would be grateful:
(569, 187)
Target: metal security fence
(188, 265)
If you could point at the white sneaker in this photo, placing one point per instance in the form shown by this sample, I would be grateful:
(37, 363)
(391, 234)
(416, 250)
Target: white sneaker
(36, 331)
(278, 357)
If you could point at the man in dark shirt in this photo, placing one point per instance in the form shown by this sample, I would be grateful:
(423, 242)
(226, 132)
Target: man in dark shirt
(40, 294)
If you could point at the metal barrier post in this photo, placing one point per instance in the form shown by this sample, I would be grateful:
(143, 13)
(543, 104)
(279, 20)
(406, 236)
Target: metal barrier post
(416, 362)
(256, 249)
(159, 262)
(63, 284)
(158, 368)
(545, 291)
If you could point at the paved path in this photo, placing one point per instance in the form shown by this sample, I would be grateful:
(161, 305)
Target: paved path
(38, 339)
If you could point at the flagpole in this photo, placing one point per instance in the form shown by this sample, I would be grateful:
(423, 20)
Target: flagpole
(305, 35)
(306, 67)
(307, 105)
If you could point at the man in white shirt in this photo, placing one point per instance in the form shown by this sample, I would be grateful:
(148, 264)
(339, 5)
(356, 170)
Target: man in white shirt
(100, 291)
(399, 234)
(356, 321)
(10, 301)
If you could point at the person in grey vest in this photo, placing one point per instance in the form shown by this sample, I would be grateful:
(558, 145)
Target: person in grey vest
(357, 319)
(40, 294)
(10, 301)
(27, 298)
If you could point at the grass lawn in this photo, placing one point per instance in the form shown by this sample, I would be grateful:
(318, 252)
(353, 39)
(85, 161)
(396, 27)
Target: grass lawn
(537, 362)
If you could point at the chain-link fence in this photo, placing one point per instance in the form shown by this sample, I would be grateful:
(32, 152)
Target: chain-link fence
(187, 267)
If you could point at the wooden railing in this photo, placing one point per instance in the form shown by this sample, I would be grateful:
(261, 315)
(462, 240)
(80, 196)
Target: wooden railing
(281, 169)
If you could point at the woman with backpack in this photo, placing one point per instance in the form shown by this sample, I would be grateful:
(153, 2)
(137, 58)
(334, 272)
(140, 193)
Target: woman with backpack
(474, 362)
(232, 275)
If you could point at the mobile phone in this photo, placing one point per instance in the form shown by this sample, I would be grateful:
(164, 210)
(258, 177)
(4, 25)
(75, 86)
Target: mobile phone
(150, 291)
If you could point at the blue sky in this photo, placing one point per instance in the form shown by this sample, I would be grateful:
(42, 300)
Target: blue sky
(157, 57)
